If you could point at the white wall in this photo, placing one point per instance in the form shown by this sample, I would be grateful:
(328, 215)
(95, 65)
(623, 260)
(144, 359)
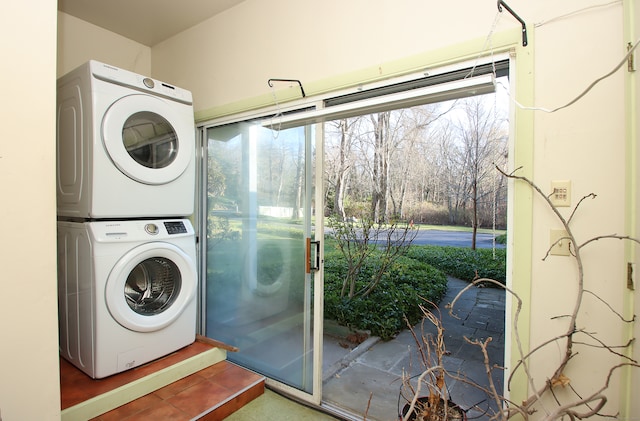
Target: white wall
(29, 373)
(229, 58)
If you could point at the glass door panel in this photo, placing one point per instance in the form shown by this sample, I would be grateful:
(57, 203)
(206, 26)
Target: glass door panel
(258, 283)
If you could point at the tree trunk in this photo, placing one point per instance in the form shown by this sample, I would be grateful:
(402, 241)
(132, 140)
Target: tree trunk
(380, 168)
(474, 221)
(342, 171)
(299, 182)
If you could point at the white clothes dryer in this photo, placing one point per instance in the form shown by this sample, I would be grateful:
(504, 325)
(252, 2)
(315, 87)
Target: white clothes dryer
(126, 292)
(125, 145)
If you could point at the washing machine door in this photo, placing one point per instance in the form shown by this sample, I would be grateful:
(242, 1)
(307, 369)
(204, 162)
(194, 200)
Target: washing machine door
(150, 286)
(149, 139)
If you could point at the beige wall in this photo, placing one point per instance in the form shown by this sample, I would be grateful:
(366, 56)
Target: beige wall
(29, 379)
(80, 41)
(229, 58)
(586, 144)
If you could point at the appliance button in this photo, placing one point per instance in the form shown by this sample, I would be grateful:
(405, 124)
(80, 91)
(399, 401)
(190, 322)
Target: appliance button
(148, 82)
(151, 229)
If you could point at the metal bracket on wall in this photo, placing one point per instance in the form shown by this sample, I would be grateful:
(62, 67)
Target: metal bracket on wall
(270, 82)
(515, 15)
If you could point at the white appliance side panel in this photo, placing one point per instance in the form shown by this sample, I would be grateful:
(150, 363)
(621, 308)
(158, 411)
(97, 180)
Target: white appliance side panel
(63, 284)
(76, 293)
(86, 297)
(70, 143)
(73, 145)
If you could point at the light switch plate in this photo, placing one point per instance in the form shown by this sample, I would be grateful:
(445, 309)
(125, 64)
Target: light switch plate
(560, 247)
(561, 193)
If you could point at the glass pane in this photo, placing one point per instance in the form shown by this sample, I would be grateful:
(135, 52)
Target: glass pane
(258, 295)
(150, 139)
(152, 286)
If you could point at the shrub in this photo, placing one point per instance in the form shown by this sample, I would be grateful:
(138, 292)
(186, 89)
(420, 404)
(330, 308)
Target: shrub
(399, 293)
(359, 243)
(462, 262)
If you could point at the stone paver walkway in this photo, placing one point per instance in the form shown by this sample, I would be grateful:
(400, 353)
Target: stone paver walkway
(371, 375)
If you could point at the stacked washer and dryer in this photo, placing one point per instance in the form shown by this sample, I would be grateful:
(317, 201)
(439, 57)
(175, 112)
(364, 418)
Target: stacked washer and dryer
(127, 276)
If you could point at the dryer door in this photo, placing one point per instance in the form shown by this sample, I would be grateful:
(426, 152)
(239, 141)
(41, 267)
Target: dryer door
(150, 286)
(149, 139)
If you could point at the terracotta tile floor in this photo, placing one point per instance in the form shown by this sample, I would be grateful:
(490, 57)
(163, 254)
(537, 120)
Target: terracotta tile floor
(211, 393)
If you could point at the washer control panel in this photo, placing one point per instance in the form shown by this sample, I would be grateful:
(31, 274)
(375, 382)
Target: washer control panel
(139, 230)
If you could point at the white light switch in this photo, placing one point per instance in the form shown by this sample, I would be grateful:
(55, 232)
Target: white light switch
(560, 243)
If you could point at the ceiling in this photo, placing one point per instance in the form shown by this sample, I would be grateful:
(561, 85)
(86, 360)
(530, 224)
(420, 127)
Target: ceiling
(145, 21)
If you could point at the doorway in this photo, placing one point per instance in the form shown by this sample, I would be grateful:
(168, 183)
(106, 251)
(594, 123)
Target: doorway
(264, 213)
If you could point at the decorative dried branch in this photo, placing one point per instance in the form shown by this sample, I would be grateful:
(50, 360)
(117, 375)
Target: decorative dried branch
(589, 196)
(578, 408)
(620, 316)
(558, 378)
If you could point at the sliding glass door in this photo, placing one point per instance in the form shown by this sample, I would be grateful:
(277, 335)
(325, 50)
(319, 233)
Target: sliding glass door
(261, 255)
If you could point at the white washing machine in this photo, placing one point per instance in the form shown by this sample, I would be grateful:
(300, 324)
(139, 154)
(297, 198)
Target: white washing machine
(126, 292)
(125, 145)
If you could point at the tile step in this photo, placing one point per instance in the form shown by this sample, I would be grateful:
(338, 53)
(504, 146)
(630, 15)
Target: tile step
(193, 383)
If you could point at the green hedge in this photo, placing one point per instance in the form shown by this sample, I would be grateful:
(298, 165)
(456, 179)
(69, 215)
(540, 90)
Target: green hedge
(420, 274)
(462, 262)
(399, 293)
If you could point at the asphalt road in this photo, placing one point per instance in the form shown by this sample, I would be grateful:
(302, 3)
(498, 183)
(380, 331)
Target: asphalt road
(447, 238)
(453, 238)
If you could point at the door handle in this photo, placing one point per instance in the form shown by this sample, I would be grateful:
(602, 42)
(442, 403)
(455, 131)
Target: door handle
(316, 260)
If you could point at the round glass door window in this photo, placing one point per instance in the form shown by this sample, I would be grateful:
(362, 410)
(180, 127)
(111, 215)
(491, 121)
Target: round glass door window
(150, 140)
(152, 286)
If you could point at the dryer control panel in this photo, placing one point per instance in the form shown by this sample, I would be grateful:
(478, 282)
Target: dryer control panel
(123, 77)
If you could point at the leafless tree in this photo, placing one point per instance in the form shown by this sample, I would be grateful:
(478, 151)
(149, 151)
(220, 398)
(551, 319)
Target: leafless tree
(481, 139)
(380, 167)
(397, 161)
(341, 163)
